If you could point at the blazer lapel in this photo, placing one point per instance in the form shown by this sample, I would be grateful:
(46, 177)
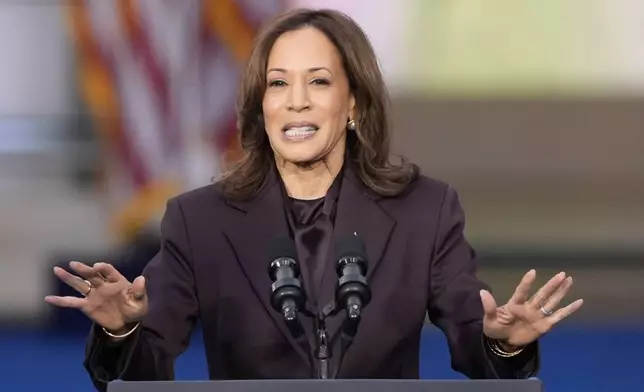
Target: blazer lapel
(264, 219)
(358, 213)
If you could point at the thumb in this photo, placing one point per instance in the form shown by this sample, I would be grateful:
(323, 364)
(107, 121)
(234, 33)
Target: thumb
(489, 305)
(138, 288)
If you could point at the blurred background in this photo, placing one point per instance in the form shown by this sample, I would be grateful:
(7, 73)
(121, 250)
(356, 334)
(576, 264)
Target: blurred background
(533, 110)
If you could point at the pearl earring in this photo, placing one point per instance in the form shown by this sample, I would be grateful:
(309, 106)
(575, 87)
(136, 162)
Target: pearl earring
(351, 125)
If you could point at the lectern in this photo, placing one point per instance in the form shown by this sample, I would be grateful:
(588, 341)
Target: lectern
(334, 385)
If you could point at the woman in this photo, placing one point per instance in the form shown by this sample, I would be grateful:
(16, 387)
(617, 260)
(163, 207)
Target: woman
(313, 117)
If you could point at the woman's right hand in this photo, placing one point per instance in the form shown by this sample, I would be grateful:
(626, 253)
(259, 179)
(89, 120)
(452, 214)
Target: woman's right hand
(109, 299)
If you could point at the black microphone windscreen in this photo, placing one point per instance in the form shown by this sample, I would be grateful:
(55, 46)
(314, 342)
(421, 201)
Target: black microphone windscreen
(351, 246)
(282, 247)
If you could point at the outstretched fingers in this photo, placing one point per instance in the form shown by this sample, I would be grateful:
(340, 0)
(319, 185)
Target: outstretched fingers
(66, 302)
(555, 299)
(548, 290)
(73, 281)
(522, 292)
(560, 314)
(88, 273)
(108, 272)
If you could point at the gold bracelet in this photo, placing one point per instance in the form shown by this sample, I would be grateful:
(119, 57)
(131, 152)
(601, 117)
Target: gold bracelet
(496, 349)
(125, 334)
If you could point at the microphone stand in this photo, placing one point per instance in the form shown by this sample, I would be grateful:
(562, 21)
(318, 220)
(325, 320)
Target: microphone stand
(324, 344)
(323, 349)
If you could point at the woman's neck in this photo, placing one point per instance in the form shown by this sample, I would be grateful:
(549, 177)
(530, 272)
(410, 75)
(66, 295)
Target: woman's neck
(308, 183)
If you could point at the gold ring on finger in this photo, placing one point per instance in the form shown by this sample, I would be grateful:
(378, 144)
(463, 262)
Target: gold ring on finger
(89, 288)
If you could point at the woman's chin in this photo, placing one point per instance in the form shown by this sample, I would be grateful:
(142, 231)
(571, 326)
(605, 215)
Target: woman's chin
(300, 153)
(301, 158)
(304, 162)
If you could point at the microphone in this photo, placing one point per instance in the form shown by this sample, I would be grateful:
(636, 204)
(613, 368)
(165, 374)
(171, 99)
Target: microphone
(352, 292)
(287, 296)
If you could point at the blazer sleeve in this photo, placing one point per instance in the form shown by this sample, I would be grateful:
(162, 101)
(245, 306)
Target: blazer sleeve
(455, 305)
(150, 352)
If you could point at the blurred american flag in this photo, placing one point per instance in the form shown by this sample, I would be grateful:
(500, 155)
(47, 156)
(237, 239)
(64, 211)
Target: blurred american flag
(159, 78)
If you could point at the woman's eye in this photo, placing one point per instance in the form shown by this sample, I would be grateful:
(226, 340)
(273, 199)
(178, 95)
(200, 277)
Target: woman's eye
(277, 83)
(321, 82)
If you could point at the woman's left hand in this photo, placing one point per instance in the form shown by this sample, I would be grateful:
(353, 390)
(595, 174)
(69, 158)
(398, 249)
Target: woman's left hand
(524, 319)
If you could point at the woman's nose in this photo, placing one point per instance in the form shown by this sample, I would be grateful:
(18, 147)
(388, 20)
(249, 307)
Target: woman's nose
(299, 97)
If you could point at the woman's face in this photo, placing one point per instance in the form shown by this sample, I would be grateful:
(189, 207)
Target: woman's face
(307, 102)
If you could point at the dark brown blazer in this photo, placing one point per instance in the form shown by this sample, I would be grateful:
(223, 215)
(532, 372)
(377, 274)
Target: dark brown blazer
(212, 267)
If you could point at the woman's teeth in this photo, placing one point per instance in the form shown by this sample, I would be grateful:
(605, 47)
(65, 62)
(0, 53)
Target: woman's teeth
(299, 133)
